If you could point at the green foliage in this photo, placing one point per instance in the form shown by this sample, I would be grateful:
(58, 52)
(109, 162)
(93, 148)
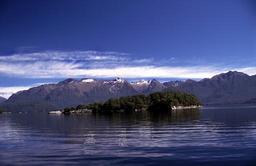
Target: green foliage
(163, 101)
(67, 111)
(159, 101)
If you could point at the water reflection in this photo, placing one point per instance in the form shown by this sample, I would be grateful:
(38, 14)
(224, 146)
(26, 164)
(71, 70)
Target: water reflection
(77, 123)
(149, 117)
(182, 137)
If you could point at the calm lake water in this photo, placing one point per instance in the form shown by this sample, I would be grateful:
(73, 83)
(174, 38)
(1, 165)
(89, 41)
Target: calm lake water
(210, 136)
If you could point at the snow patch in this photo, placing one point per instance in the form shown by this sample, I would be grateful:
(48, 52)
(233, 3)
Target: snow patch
(141, 82)
(119, 80)
(88, 80)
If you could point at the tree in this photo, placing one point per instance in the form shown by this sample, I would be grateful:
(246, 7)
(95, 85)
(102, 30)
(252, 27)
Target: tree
(159, 101)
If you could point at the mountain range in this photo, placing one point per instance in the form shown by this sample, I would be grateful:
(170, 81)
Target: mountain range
(227, 88)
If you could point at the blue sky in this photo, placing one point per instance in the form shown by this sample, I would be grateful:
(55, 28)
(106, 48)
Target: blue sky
(47, 41)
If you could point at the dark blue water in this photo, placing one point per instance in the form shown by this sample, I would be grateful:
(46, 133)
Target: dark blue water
(213, 136)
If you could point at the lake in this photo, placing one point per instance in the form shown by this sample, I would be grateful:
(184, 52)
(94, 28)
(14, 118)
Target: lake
(209, 136)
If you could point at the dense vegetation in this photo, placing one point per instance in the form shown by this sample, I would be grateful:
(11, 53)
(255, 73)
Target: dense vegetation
(160, 101)
(1, 110)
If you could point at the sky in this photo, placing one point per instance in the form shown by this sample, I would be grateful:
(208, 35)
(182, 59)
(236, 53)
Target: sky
(48, 41)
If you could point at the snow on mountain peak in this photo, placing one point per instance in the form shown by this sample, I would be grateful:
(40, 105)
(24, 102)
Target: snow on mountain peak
(116, 80)
(141, 82)
(119, 80)
(87, 80)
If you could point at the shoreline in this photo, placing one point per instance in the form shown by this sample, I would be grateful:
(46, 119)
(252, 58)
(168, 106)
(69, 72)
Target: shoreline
(185, 107)
(83, 111)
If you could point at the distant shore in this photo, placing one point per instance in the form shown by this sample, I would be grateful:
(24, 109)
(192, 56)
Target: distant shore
(83, 111)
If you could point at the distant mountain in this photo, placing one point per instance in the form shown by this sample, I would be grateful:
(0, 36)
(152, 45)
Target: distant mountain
(141, 86)
(226, 88)
(2, 99)
(69, 92)
(147, 87)
(172, 83)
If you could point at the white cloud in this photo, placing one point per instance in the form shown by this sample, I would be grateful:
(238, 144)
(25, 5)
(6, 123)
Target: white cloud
(247, 70)
(62, 70)
(6, 92)
(59, 64)
(147, 71)
(64, 56)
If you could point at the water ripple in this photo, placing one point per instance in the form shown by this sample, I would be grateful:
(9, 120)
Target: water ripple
(199, 138)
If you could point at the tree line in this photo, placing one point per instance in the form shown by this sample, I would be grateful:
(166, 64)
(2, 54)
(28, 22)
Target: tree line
(159, 101)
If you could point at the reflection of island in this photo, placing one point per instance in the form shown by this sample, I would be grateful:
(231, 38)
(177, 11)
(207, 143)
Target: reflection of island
(95, 134)
(146, 117)
(87, 122)
(156, 102)
(176, 116)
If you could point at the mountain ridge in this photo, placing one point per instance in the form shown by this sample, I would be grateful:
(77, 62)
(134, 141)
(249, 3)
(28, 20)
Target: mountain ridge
(226, 88)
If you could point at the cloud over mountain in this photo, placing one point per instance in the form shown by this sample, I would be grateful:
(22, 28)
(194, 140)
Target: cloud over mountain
(63, 64)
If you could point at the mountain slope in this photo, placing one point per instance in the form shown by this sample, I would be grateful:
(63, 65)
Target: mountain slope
(2, 99)
(147, 87)
(68, 93)
(226, 88)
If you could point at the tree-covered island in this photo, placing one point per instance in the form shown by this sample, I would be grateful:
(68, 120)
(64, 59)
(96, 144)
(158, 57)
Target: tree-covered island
(156, 102)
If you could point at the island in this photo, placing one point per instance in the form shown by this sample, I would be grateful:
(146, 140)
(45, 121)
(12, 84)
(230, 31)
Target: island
(155, 102)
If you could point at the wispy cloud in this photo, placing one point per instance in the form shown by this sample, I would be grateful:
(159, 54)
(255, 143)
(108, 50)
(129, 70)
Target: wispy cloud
(64, 56)
(6, 92)
(247, 70)
(147, 71)
(59, 64)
